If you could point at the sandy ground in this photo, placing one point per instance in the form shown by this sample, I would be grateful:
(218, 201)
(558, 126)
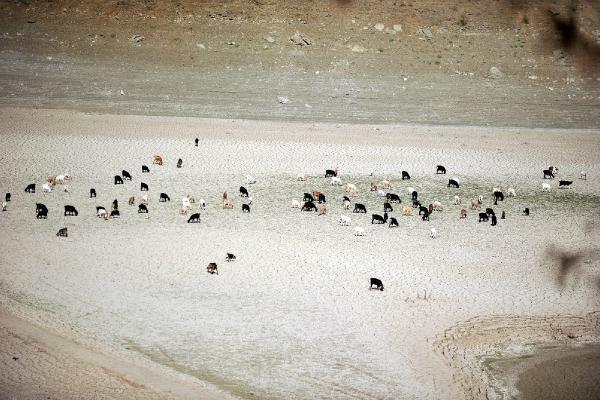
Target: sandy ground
(292, 317)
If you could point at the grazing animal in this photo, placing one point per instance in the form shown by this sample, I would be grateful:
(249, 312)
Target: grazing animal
(359, 208)
(202, 204)
(405, 175)
(126, 175)
(346, 205)
(335, 181)
(295, 204)
(489, 211)
(503, 215)
(393, 223)
(463, 213)
(526, 211)
(250, 180)
(41, 211)
(393, 197)
(145, 169)
(301, 177)
(377, 283)
(359, 231)
(425, 216)
(423, 210)
(227, 204)
(194, 218)
(381, 193)
(131, 200)
(548, 174)
(511, 193)
(62, 178)
(345, 220)
(164, 198)
(378, 219)
(309, 206)
(564, 183)
(456, 201)
(30, 188)
(245, 208)
(157, 160)
(437, 206)
(414, 195)
(115, 214)
(196, 142)
(100, 211)
(145, 199)
(476, 204)
(230, 257)
(143, 187)
(331, 172)
(118, 180)
(323, 210)
(7, 197)
(115, 204)
(142, 209)
(552, 169)
(386, 184)
(498, 196)
(321, 198)
(433, 233)
(453, 183)
(351, 188)
(4, 204)
(416, 203)
(308, 197)
(583, 175)
(545, 187)
(483, 217)
(92, 193)
(387, 207)
(52, 180)
(47, 187)
(494, 220)
(70, 210)
(373, 187)
(407, 211)
(212, 269)
(346, 198)
(440, 169)
(183, 210)
(62, 232)
(179, 163)
(316, 194)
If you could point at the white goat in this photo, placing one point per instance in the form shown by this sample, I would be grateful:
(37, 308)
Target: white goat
(510, 192)
(583, 175)
(4, 206)
(144, 199)
(346, 205)
(186, 203)
(350, 187)
(102, 213)
(433, 233)
(358, 231)
(381, 193)
(437, 206)
(336, 181)
(456, 201)
(386, 184)
(250, 179)
(47, 187)
(63, 178)
(202, 204)
(301, 177)
(295, 204)
(545, 187)
(345, 220)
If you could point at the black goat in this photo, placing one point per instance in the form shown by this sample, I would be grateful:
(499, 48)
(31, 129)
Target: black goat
(245, 208)
(359, 208)
(309, 206)
(440, 169)
(308, 197)
(30, 188)
(179, 163)
(423, 210)
(142, 209)
(70, 210)
(414, 195)
(115, 214)
(118, 180)
(526, 212)
(243, 191)
(330, 172)
(483, 217)
(564, 183)
(425, 216)
(92, 193)
(143, 187)
(489, 211)
(494, 220)
(145, 169)
(230, 257)
(393, 197)
(62, 232)
(393, 223)
(453, 183)
(7, 197)
(498, 196)
(377, 283)
(321, 198)
(378, 219)
(126, 175)
(548, 174)
(194, 218)
(405, 175)
(387, 207)
(164, 198)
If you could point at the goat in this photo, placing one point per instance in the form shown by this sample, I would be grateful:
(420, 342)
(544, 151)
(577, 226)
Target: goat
(350, 187)
(70, 210)
(164, 198)
(373, 187)
(52, 180)
(393, 197)
(376, 218)
(4, 206)
(498, 196)
(564, 183)
(100, 211)
(115, 214)
(345, 220)
(295, 203)
(331, 172)
(545, 187)
(583, 175)
(142, 209)
(423, 210)
(548, 174)
(143, 187)
(407, 211)
(425, 216)
(440, 169)
(386, 184)
(489, 211)
(131, 200)
(437, 206)
(433, 233)
(194, 218)
(227, 204)
(393, 223)
(411, 190)
(494, 220)
(145, 169)
(145, 199)
(62, 232)
(179, 163)
(453, 183)
(308, 197)
(378, 284)
(526, 211)
(483, 217)
(416, 203)
(301, 177)
(463, 213)
(359, 208)
(202, 204)
(552, 169)
(503, 215)
(115, 204)
(30, 188)
(230, 257)
(414, 195)
(309, 206)
(212, 268)
(346, 205)
(126, 175)
(475, 204)
(157, 160)
(405, 175)
(62, 178)
(321, 198)
(358, 231)
(92, 193)
(511, 192)
(323, 210)
(456, 201)
(7, 197)
(335, 181)
(47, 188)
(250, 180)
(245, 208)
(387, 207)
(381, 193)
(118, 180)
(41, 211)
(196, 142)
(316, 195)
(430, 208)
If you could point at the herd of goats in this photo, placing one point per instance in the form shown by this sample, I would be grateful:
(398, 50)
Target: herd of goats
(309, 201)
